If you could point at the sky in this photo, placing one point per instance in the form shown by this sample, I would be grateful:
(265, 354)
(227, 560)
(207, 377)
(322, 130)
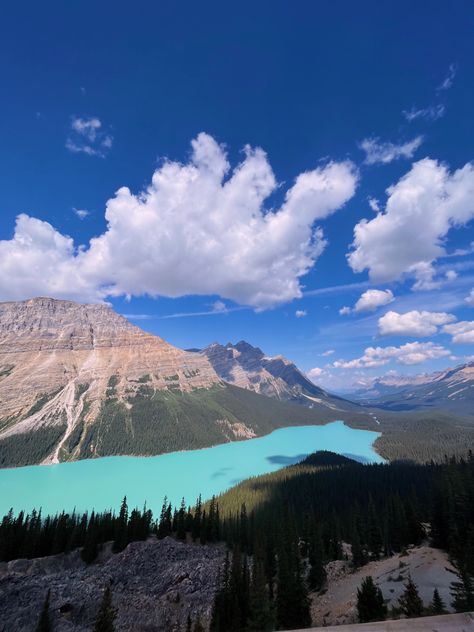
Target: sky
(297, 175)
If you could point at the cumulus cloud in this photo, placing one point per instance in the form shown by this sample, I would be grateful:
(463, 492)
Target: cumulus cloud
(414, 323)
(408, 236)
(199, 228)
(315, 373)
(407, 354)
(462, 332)
(379, 152)
(470, 299)
(430, 113)
(301, 313)
(369, 301)
(87, 136)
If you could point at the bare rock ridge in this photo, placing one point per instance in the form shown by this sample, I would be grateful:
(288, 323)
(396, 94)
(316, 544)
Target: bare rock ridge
(248, 367)
(451, 390)
(60, 360)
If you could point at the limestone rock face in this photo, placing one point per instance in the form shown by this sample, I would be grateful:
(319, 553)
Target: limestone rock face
(248, 367)
(59, 360)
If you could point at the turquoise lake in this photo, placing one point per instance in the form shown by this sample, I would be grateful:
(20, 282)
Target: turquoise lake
(101, 483)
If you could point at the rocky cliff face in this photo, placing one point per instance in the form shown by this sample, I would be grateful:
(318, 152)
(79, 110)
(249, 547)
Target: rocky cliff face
(80, 381)
(59, 361)
(248, 367)
(155, 586)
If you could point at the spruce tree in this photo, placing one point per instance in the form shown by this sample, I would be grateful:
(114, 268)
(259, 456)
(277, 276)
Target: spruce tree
(106, 615)
(121, 528)
(292, 602)
(261, 617)
(370, 602)
(189, 624)
(410, 601)
(44, 622)
(317, 572)
(462, 592)
(437, 605)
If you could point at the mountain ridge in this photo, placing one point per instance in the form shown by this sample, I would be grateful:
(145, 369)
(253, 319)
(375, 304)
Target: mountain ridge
(80, 381)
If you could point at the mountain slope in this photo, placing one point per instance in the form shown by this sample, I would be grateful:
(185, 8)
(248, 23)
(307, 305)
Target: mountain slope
(248, 367)
(451, 390)
(80, 381)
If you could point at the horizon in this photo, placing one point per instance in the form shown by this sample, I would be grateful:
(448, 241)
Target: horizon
(313, 202)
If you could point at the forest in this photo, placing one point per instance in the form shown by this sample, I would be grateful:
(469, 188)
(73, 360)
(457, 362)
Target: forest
(282, 528)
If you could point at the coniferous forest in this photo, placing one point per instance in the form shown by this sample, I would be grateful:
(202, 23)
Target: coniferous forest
(282, 528)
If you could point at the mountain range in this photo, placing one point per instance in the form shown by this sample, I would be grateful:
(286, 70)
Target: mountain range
(451, 390)
(80, 381)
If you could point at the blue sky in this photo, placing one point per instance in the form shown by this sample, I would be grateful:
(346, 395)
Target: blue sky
(337, 103)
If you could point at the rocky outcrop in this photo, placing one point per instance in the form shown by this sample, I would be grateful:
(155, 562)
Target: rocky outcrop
(60, 360)
(248, 367)
(155, 586)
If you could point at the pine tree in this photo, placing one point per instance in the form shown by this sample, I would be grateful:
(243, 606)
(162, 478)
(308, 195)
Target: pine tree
(44, 622)
(181, 521)
(292, 603)
(261, 617)
(317, 572)
(370, 602)
(106, 615)
(91, 542)
(189, 624)
(437, 605)
(359, 557)
(462, 592)
(410, 601)
(121, 529)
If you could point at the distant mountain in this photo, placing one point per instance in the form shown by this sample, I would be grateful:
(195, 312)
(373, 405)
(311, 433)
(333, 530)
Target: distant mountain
(389, 384)
(248, 367)
(80, 381)
(451, 390)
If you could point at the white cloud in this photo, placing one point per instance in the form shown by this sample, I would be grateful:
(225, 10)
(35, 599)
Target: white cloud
(379, 152)
(199, 228)
(462, 332)
(408, 236)
(81, 213)
(470, 299)
(374, 204)
(301, 313)
(414, 323)
(87, 137)
(315, 373)
(449, 79)
(371, 299)
(407, 354)
(431, 113)
(327, 353)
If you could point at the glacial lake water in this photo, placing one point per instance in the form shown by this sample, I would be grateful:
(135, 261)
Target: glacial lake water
(101, 483)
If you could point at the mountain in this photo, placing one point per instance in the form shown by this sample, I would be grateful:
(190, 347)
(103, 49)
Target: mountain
(390, 383)
(451, 390)
(248, 367)
(80, 381)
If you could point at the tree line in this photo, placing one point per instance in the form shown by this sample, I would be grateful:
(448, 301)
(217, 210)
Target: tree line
(279, 546)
